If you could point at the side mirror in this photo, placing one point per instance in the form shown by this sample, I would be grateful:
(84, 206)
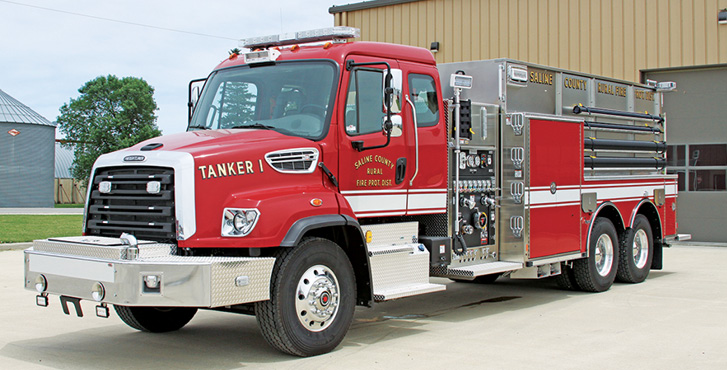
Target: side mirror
(194, 92)
(392, 91)
(396, 126)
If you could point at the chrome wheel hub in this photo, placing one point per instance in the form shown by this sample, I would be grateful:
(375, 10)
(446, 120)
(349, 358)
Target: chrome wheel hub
(317, 298)
(640, 248)
(604, 255)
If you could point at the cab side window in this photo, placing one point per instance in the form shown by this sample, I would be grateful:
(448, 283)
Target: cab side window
(424, 96)
(364, 102)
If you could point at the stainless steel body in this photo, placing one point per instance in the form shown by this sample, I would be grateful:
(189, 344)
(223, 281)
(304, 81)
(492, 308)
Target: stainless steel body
(512, 93)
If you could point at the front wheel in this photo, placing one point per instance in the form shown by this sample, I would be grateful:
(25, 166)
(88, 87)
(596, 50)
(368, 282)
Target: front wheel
(312, 299)
(636, 253)
(597, 272)
(155, 319)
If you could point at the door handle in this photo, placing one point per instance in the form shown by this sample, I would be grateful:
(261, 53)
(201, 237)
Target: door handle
(400, 170)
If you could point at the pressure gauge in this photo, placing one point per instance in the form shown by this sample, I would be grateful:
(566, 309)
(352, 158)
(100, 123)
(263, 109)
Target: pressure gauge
(462, 160)
(470, 161)
(477, 161)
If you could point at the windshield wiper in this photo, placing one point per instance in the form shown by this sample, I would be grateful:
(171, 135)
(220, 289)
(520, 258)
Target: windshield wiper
(255, 125)
(200, 127)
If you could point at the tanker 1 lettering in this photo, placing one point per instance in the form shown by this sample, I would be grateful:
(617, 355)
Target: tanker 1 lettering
(374, 170)
(229, 169)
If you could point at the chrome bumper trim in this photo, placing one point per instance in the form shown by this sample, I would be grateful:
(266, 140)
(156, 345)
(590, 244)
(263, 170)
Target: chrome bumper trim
(72, 269)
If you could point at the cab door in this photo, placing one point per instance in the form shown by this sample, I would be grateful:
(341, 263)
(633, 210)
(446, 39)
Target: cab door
(423, 115)
(372, 177)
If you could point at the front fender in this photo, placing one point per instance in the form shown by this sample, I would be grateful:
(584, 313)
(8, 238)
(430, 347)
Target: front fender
(279, 211)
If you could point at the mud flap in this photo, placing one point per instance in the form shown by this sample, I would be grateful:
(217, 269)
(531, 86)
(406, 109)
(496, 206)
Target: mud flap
(657, 260)
(76, 304)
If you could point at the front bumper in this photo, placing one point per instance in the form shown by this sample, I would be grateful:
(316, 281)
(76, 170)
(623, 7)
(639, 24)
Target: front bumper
(71, 267)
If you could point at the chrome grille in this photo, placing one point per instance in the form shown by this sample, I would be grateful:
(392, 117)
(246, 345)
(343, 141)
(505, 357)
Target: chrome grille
(303, 160)
(130, 205)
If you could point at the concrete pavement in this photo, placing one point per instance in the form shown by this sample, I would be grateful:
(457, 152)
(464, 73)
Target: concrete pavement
(674, 320)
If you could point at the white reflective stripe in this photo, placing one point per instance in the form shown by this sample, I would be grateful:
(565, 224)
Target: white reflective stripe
(671, 189)
(370, 203)
(546, 197)
(361, 192)
(614, 193)
(425, 201)
(396, 201)
(426, 212)
(623, 184)
(637, 192)
(554, 205)
(428, 191)
(563, 187)
(70, 267)
(378, 214)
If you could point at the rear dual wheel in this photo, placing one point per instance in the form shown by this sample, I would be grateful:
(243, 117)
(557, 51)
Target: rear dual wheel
(636, 252)
(597, 272)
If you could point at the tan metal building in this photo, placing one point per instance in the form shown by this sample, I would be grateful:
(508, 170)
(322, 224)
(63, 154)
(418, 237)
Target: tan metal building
(614, 38)
(666, 40)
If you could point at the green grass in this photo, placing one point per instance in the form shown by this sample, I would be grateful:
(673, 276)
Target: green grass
(68, 205)
(26, 228)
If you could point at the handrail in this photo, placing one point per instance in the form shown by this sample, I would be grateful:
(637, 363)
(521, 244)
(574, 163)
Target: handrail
(578, 109)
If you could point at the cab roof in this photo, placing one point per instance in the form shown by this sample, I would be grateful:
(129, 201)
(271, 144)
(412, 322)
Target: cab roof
(340, 51)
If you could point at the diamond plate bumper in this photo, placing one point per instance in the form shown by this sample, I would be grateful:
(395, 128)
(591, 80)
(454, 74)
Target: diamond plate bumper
(72, 266)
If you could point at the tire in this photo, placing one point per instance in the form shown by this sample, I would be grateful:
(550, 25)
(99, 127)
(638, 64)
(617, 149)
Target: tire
(312, 299)
(567, 279)
(636, 253)
(597, 272)
(484, 279)
(155, 319)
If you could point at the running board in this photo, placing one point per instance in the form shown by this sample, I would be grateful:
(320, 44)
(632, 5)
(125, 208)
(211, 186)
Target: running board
(473, 271)
(407, 291)
(399, 265)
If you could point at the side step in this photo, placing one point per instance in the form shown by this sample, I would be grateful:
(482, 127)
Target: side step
(400, 271)
(473, 271)
(399, 268)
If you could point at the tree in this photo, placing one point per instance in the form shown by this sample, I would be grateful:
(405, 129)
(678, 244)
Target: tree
(110, 114)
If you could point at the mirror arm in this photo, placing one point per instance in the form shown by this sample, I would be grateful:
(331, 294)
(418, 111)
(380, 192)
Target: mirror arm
(359, 145)
(190, 105)
(388, 92)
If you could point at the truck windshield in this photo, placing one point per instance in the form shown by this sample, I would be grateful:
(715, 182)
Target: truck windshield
(293, 98)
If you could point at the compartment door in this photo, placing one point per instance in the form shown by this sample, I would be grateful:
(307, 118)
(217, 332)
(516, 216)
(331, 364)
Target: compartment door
(556, 173)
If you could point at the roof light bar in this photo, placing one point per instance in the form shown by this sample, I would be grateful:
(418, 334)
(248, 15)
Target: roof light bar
(337, 33)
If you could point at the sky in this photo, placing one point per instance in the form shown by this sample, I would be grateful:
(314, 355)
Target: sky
(47, 55)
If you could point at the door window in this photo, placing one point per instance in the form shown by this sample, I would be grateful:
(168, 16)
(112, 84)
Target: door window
(424, 96)
(365, 102)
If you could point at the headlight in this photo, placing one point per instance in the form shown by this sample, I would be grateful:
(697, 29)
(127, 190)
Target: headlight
(239, 221)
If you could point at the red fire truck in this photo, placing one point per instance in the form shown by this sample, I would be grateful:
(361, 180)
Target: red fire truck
(318, 174)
